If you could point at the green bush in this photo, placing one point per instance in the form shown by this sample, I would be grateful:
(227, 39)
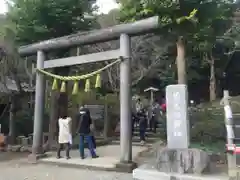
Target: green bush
(207, 125)
(208, 121)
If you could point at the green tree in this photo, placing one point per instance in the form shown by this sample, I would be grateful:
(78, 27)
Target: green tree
(198, 34)
(36, 20)
(10, 69)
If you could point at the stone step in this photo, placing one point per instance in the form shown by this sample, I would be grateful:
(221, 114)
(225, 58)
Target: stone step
(137, 139)
(158, 129)
(148, 133)
(117, 142)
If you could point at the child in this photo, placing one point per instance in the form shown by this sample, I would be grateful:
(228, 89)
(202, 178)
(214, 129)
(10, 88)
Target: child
(64, 137)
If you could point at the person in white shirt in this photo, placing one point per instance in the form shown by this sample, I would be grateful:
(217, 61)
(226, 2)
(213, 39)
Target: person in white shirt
(139, 105)
(155, 112)
(64, 136)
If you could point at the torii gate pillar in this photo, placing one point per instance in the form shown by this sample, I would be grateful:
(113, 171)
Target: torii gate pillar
(38, 109)
(125, 99)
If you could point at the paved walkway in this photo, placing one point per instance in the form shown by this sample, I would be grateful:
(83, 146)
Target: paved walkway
(109, 156)
(14, 171)
(14, 166)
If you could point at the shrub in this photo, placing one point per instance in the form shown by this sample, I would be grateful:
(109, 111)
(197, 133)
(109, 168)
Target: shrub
(207, 125)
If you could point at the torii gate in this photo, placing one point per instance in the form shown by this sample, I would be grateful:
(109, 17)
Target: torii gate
(124, 32)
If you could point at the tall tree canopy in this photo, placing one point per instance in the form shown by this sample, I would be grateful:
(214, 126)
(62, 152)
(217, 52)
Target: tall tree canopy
(196, 37)
(36, 20)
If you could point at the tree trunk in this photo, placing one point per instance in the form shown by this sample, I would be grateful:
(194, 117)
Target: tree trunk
(180, 61)
(212, 80)
(12, 119)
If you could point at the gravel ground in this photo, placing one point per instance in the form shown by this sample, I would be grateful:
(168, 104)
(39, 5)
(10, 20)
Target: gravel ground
(14, 170)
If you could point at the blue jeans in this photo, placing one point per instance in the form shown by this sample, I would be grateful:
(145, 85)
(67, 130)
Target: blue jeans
(90, 145)
(142, 134)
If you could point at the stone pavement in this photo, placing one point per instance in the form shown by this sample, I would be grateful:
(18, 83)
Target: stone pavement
(15, 166)
(15, 170)
(18, 168)
(109, 156)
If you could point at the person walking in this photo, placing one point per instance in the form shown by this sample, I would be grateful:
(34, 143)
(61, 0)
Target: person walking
(154, 117)
(133, 119)
(64, 136)
(84, 130)
(139, 107)
(142, 126)
(164, 106)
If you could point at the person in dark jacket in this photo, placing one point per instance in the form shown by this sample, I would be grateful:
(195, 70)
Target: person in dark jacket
(134, 119)
(142, 125)
(84, 130)
(155, 114)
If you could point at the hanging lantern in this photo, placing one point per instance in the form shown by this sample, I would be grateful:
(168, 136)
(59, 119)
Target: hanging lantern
(63, 87)
(55, 84)
(87, 86)
(98, 81)
(75, 88)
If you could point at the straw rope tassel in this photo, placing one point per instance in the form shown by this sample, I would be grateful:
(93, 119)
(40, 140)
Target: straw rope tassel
(87, 86)
(55, 84)
(98, 81)
(63, 87)
(75, 88)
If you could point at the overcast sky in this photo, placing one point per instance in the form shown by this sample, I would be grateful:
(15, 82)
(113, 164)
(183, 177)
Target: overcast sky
(104, 5)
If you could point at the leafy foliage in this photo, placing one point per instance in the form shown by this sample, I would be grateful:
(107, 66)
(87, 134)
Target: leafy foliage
(30, 21)
(42, 19)
(200, 34)
(211, 21)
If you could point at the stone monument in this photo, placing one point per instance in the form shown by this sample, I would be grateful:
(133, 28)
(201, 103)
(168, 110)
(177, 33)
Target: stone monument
(97, 111)
(176, 160)
(177, 117)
